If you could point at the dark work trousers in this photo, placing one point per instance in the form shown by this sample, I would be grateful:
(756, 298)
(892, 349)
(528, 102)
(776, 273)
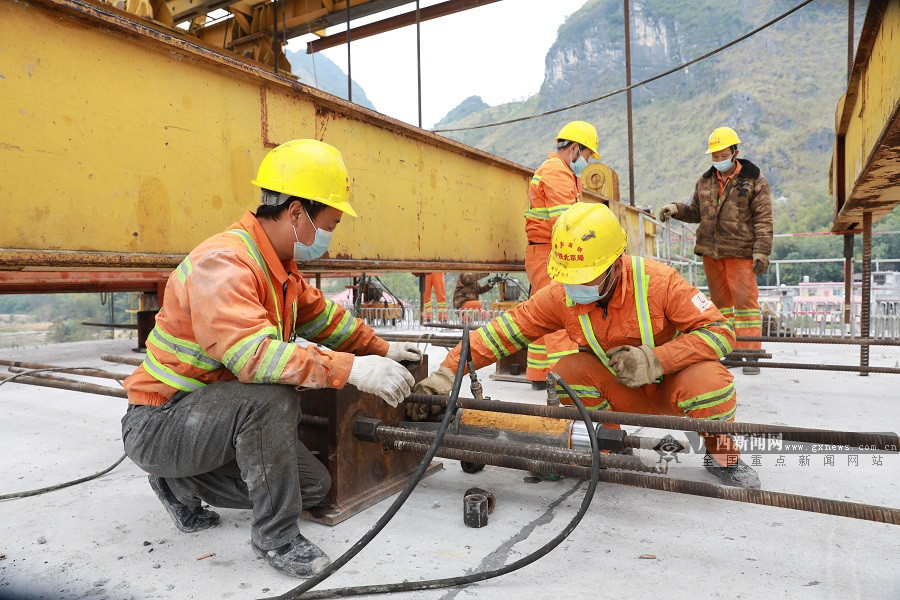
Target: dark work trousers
(233, 445)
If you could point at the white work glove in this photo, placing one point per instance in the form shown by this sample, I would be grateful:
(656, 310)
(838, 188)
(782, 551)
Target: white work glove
(635, 366)
(668, 211)
(379, 375)
(404, 351)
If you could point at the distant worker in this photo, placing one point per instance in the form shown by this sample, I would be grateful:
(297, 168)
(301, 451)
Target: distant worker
(555, 186)
(214, 408)
(649, 342)
(734, 210)
(467, 291)
(435, 281)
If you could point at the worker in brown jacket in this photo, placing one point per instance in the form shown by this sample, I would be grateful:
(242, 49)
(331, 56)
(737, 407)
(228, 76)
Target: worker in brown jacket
(467, 291)
(733, 206)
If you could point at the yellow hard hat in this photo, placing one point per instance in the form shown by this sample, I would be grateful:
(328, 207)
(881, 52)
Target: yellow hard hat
(583, 133)
(307, 169)
(721, 138)
(586, 240)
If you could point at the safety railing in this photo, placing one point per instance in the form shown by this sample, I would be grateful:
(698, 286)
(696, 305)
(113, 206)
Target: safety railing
(674, 245)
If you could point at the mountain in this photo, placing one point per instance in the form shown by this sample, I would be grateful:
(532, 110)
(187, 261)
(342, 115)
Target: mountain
(320, 72)
(778, 90)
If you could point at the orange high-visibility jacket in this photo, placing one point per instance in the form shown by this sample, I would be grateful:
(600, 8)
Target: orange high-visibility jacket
(553, 188)
(674, 306)
(231, 310)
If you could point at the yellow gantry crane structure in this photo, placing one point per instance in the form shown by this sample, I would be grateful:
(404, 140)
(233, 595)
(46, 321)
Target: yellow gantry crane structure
(126, 142)
(865, 172)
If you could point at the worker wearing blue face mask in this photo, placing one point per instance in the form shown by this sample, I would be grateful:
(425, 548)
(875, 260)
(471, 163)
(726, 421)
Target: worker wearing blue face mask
(555, 186)
(733, 205)
(214, 408)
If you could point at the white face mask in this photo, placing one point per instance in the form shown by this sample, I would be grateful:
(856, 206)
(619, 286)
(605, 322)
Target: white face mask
(304, 253)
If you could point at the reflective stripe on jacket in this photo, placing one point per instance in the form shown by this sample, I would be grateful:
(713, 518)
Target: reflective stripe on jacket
(553, 188)
(231, 310)
(685, 326)
(640, 279)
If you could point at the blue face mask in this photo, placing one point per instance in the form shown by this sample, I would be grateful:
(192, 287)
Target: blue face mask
(303, 253)
(582, 294)
(578, 166)
(723, 165)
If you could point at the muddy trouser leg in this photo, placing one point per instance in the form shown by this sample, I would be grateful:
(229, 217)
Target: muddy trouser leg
(232, 445)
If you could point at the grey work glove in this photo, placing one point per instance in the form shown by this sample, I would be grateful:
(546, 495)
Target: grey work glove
(668, 211)
(635, 365)
(760, 263)
(439, 383)
(404, 351)
(379, 375)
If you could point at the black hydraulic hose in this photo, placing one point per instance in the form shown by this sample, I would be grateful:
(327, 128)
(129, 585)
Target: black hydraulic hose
(58, 486)
(299, 591)
(410, 586)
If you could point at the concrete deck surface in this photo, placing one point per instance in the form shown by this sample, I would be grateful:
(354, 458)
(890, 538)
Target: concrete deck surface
(110, 537)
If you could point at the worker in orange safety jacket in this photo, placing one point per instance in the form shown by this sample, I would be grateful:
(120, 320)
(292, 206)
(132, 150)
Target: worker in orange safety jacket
(213, 410)
(555, 186)
(649, 341)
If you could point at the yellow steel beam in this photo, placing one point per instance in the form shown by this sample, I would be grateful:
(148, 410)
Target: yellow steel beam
(866, 161)
(303, 16)
(128, 153)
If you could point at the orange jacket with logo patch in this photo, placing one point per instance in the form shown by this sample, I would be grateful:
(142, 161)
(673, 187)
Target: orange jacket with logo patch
(553, 188)
(231, 309)
(674, 305)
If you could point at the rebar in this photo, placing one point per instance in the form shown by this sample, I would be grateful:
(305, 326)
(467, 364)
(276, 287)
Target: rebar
(421, 338)
(68, 384)
(518, 450)
(820, 340)
(879, 441)
(815, 367)
(17, 366)
(865, 318)
(122, 360)
(853, 510)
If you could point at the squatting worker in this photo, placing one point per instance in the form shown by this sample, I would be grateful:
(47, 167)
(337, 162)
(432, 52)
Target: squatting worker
(649, 342)
(733, 205)
(555, 186)
(213, 409)
(468, 289)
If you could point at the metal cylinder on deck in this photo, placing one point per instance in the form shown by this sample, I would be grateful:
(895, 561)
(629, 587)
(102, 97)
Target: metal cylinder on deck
(515, 428)
(475, 510)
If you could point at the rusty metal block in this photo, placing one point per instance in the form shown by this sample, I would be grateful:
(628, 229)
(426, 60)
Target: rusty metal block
(362, 473)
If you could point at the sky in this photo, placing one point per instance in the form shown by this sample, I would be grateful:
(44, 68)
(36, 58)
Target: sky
(495, 51)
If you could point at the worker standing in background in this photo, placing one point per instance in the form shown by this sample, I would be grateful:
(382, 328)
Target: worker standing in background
(649, 341)
(733, 205)
(435, 281)
(555, 186)
(214, 408)
(467, 291)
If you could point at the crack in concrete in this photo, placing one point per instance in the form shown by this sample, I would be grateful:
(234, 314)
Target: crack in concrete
(497, 558)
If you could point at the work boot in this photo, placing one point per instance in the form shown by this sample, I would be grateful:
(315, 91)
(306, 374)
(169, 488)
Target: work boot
(187, 519)
(300, 558)
(736, 475)
(751, 368)
(538, 385)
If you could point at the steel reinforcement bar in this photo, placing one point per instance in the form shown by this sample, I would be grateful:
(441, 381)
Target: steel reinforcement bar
(813, 367)
(853, 510)
(877, 441)
(539, 452)
(73, 371)
(765, 338)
